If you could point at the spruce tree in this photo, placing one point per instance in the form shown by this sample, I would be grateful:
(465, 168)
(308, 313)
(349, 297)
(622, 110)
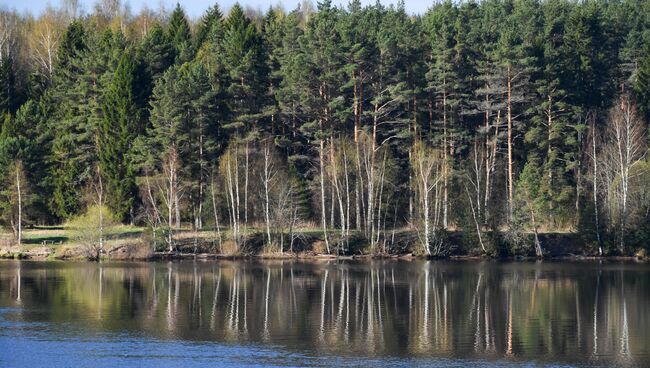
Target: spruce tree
(119, 127)
(272, 36)
(65, 166)
(241, 56)
(156, 54)
(180, 36)
(77, 94)
(211, 19)
(291, 67)
(8, 95)
(591, 57)
(642, 83)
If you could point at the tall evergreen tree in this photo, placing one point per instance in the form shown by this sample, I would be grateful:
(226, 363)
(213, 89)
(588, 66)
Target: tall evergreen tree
(591, 58)
(241, 56)
(515, 64)
(119, 127)
(321, 98)
(180, 35)
(445, 85)
(8, 93)
(157, 54)
(211, 19)
(642, 83)
(77, 95)
(65, 164)
(553, 134)
(185, 117)
(288, 94)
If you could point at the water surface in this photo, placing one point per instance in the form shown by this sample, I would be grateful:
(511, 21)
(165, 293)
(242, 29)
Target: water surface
(285, 313)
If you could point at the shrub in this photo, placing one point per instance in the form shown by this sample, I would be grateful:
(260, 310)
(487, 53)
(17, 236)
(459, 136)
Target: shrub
(92, 229)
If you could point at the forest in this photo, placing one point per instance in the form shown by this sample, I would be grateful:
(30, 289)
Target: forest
(497, 121)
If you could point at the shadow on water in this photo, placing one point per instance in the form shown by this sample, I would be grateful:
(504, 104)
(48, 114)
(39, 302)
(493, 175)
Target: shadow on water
(568, 313)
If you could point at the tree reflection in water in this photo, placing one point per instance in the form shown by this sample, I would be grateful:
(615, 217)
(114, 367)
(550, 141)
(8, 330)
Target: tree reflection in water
(559, 312)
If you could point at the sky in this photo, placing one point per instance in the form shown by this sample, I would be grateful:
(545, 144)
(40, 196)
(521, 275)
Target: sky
(195, 8)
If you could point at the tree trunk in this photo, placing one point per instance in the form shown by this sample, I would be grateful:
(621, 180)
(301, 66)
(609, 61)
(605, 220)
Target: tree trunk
(476, 221)
(510, 168)
(538, 245)
(216, 215)
(595, 188)
(20, 205)
(445, 144)
(246, 186)
(267, 180)
(101, 211)
(322, 193)
(198, 221)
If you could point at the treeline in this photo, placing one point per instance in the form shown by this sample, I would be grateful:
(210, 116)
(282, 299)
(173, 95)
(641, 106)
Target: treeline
(502, 119)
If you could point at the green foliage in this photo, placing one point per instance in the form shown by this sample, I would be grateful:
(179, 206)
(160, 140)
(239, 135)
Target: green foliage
(642, 82)
(92, 229)
(118, 128)
(8, 94)
(242, 59)
(180, 36)
(156, 54)
(207, 25)
(449, 78)
(77, 97)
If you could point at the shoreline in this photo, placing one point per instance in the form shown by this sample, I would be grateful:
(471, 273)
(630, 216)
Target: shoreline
(41, 255)
(53, 244)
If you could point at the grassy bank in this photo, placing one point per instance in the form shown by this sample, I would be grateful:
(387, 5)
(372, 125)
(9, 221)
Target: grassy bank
(133, 242)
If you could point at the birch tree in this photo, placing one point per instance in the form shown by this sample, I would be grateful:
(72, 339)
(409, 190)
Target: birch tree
(427, 174)
(44, 39)
(624, 147)
(170, 190)
(268, 177)
(229, 169)
(95, 225)
(13, 197)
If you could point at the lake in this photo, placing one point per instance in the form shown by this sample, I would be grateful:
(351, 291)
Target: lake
(290, 313)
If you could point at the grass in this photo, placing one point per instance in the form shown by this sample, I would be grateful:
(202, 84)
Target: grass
(55, 236)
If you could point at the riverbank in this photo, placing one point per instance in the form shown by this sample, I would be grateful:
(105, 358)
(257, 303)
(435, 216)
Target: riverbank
(131, 243)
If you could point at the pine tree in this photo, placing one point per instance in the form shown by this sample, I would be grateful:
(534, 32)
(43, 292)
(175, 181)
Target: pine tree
(322, 77)
(185, 117)
(515, 62)
(288, 94)
(552, 137)
(272, 36)
(31, 128)
(359, 30)
(530, 199)
(444, 85)
(17, 156)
